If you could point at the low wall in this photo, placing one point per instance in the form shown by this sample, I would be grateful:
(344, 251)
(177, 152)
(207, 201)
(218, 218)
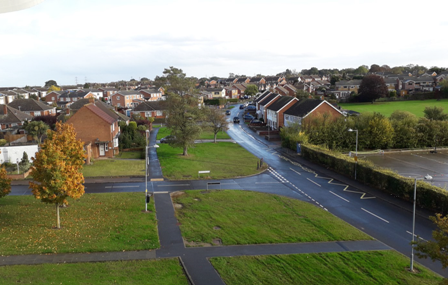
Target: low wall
(19, 176)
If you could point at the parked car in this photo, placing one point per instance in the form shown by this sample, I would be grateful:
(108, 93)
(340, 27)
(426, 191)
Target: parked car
(256, 122)
(167, 139)
(236, 120)
(250, 108)
(228, 112)
(248, 117)
(242, 106)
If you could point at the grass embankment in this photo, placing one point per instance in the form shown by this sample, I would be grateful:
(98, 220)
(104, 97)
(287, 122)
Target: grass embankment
(114, 167)
(162, 271)
(95, 222)
(374, 267)
(163, 132)
(240, 217)
(387, 108)
(223, 159)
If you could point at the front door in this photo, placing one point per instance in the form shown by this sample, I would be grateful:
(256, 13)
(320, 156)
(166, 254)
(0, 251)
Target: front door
(101, 149)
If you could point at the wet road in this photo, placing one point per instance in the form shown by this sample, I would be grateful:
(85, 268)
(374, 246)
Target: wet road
(386, 222)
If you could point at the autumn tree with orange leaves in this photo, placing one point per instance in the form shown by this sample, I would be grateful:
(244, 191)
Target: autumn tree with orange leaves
(5, 183)
(57, 168)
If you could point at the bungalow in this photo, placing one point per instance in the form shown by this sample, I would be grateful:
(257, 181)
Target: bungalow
(306, 109)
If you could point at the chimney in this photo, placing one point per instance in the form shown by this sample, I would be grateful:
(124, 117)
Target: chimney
(5, 109)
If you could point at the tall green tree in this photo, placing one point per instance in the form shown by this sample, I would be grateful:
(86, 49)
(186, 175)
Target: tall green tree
(405, 129)
(50, 83)
(251, 90)
(37, 129)
(174, 80)
(302, 94)
(57, 168)
(216, 121)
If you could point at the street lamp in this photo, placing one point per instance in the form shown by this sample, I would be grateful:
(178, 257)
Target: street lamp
(427, 177)
(356, 152)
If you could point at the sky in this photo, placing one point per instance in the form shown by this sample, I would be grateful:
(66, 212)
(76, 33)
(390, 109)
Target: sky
(78, 41)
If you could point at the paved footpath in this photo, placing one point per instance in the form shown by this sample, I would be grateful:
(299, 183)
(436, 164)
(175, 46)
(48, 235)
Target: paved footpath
(194, 260)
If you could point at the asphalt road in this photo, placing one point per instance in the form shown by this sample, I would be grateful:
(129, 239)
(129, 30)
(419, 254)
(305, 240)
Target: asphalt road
(382, 220)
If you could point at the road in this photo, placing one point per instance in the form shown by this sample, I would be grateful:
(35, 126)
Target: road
(382, 220)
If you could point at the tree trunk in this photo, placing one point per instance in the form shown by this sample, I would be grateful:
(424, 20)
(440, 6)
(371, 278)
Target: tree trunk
(215, 137)
(57, 217)
(185, 151)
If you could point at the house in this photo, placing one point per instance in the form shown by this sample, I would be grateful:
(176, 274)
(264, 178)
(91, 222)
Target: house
(350, 85)
(108, 109)
(125, 98)
(260, 97)
(390, 83)
(304, 110)
(150, 109)
(96, 128)
(73, 96)
(151, 94)
(231, 92)
(33, 108)
(242, 80)
(263, 103)
(240, 88)
(53, 97)
(291, 89)
(216, 92)
(11, 117)
(273, 81)
(41, 92)
(281, 90)
(275, 112)
(21, 94)
(9, 96)
(98, 94)
(107, 92)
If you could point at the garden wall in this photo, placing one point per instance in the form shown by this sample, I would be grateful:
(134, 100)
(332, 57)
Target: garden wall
(428, 197)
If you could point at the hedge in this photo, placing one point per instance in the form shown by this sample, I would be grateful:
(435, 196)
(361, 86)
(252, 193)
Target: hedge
(428, 196)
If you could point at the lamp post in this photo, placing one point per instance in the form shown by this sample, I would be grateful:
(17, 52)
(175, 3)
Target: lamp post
(356, 149)
(427, 177)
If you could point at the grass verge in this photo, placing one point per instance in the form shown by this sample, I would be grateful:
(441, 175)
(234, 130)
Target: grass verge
(131, 154)
(387, 108)
(114, 167)
(162, 271)
(371, 267)
(95, 222)
(163, 132)
(243, 217)
(223, 159)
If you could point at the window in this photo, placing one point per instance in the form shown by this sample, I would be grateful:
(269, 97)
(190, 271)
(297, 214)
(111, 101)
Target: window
(159, 113)
(148, 114)
(106, 147)
(36, 114)
(127, 97)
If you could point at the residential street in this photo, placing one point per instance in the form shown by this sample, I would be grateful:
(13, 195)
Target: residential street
(385, 218)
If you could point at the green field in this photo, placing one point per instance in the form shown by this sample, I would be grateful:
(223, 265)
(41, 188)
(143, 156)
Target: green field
(95, 222)
(372, 267)
(387, 108)
(161, 271)
(163, 132)
(243, 217)
(115, 168)
(223, 159)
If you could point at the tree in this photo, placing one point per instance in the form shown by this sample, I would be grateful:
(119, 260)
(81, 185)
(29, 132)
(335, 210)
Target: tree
(380, 131)
(302, 94)
(437, 249)
(176, 81)
(217, 121)
(251, 90)
(375, 68)
(444, 86)
(86, 85)
(37, 129)
(5, 183)
(57, 168)
(363, 69)
(435, 113)
(53, 88)
(372, 87)
(50, 83)
(404, 124)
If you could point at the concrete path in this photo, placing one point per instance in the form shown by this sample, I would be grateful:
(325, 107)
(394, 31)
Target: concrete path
(154, 169)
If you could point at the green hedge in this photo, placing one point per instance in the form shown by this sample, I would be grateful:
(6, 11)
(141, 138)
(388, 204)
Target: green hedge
(428, 196)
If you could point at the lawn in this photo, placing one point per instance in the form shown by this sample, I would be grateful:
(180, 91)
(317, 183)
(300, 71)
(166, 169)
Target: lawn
(131, 154)
(370, 267)
(161, 271)
(163, 132)
(114, 168)
(387, 108)
(243, 217)
(223, 159)
(95, 222)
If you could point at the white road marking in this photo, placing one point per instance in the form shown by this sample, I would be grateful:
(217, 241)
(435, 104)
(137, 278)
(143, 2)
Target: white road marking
(169, 185)
(340, 197)
(121, 187)
(314, 182)
(160, 192)
(268, 182)
(375, 215)
(416, 235)
(296, 171)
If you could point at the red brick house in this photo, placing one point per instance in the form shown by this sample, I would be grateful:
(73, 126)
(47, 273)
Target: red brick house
(125, 98)
(275, 111)
(52, 97)
(11, 117)
(148, 109)
(305, 110)
(33, 108)
(94, 126)
(151, 94)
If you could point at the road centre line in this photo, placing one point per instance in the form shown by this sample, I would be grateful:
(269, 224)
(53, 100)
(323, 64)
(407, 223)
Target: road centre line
(416, 236)
(122, 186)
(375, 215)
(268, 182)
(169, 185)
(314, 182)
(340, 197)
(295, 171)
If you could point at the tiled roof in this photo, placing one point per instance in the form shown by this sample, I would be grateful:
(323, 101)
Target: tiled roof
(75, 106)
(262, 96)
(100, 113)
(303, 107)
(267, 99)
(150, 106)
(29, 105)
(280, 103)
(13, 115)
